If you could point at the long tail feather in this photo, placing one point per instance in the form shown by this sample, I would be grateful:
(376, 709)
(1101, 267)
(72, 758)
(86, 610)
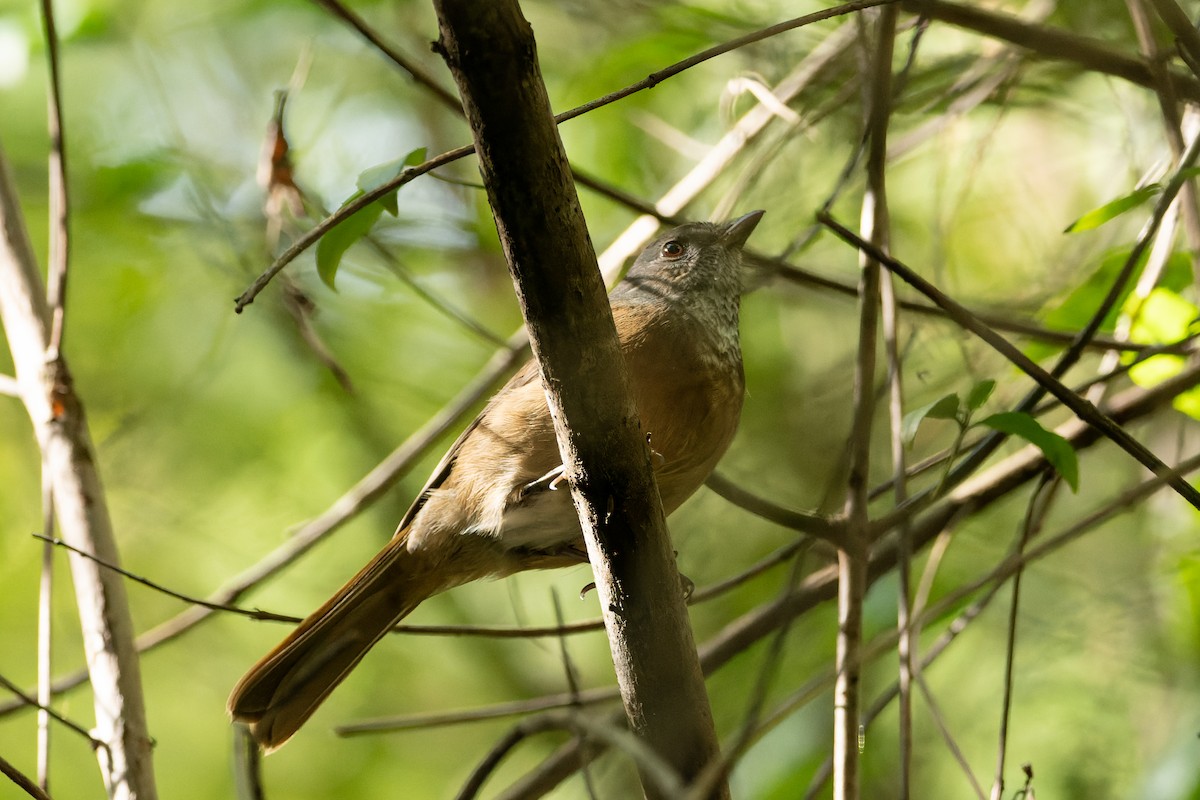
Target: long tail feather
(282, 691)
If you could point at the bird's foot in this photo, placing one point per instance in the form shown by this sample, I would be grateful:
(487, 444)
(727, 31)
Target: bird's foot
(685, 583)
(549, 481)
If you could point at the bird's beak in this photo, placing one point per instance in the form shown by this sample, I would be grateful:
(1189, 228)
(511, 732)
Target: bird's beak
(735, 232)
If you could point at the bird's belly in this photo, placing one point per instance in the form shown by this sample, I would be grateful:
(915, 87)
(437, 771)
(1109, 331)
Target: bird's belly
(542, 520)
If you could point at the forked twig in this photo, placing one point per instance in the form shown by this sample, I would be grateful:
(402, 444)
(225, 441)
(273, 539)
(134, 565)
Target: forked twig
(1082, 408)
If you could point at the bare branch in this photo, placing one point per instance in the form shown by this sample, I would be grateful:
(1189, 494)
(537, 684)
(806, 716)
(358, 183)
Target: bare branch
(31, 702)
(58, 418)
(22, 781)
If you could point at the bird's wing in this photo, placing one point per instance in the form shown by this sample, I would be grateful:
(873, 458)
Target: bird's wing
(527, 373)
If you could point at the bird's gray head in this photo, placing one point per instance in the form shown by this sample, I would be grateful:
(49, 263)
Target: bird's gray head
(695, 261)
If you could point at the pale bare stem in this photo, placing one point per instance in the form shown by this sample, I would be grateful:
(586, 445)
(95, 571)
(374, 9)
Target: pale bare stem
(884, 643)
(1035, 517)
(937, 552)
(59, 258)
(853, 557)
(880, 226)
(57, 415)
(22, 780)
(1080, 407)
(45, 635)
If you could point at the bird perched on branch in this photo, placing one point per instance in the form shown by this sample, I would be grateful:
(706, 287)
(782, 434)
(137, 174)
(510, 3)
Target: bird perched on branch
(490, 508)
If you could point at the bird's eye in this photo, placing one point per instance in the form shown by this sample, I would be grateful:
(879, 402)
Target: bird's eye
(672, 250)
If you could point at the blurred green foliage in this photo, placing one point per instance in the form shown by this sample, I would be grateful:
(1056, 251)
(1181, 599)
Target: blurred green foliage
(219, 433)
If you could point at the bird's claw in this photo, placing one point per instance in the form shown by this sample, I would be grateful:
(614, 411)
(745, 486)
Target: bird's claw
(549, 481)
(657, 459)
(685, 583)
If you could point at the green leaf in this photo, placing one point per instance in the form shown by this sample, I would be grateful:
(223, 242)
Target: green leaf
(943, 408)
(334, 244)
(379, 175)
(1077, 308)
(1098, 216)
(337, 241)
(1057, 450)
(1163, 317)
(979, 394)
(372, 178)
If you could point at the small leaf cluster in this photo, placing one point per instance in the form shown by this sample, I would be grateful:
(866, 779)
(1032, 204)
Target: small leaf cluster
(961, 410)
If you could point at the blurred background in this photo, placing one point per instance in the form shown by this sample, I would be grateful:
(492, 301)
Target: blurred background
(220, 434)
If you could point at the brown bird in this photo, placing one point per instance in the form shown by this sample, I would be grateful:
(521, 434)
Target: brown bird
(490, 508)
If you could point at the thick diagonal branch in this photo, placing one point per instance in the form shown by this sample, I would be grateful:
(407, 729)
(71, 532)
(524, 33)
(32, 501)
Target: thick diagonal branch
(491, 51)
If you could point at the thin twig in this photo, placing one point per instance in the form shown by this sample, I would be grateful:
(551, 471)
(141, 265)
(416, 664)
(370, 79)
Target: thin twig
(45, 630)
(443, 95)
(1035, 516)
(169, 592)
(1056, 44)
(22, 780)
(56, 285)
(1181, 27)
(939, 719)
(650, 765)
(310, 237)
(31, 702)
(1082, 408)
(794, 274)
(801, 521)
(741, 633)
